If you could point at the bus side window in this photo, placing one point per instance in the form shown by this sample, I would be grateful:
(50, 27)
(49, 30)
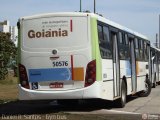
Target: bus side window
(126, 39)
(144, 48)
(121, 47)
(127, 53)
(106, 34)
(120, 38)
(145, 51)
(100, 32)
(104, 42)
(136, 48)
(141, 50)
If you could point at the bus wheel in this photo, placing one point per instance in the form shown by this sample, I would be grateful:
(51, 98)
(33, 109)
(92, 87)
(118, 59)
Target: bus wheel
(158, 83)
(147, 90)
(154, 84)
(122, 100)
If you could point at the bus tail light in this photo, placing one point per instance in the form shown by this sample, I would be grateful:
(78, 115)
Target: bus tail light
(23, 76)
(90, 73)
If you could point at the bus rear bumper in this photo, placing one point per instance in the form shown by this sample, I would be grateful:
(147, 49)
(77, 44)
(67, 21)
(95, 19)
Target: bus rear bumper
(92, 91)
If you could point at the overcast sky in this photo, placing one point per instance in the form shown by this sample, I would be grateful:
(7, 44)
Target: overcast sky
(139, 15)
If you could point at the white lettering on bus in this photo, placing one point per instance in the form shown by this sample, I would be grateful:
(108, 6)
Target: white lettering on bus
(48, 33)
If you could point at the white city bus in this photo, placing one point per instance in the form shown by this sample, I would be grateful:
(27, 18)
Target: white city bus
(155, 66)
(81, 56)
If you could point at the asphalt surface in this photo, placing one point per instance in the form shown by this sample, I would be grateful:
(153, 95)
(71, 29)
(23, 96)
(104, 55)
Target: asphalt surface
(136, 106)
(150, 104)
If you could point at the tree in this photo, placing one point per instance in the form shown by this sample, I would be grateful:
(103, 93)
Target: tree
(8, 52)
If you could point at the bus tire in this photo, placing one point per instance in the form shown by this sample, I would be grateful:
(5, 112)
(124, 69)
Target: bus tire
(146, 92)
(154, 84)
(122, 100)
(158, 83)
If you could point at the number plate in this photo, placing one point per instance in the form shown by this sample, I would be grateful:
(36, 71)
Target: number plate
(56, 85)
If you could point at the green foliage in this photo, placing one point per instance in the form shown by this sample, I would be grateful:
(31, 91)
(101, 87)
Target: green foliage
(8, 52)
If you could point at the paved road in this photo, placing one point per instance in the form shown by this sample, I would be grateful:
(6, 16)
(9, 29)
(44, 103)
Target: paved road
(150, 104)
(135, 106)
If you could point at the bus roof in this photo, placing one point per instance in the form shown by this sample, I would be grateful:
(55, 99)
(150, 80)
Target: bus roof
(154, 47)
(114, 24)
(100, 18)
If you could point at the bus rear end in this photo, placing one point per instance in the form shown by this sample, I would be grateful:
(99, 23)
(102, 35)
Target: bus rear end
(55, 60)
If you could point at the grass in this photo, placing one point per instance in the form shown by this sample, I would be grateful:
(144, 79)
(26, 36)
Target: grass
(8, 89)
(9, 80)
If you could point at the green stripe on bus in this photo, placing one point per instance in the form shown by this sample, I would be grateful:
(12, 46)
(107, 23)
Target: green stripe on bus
(95, 49)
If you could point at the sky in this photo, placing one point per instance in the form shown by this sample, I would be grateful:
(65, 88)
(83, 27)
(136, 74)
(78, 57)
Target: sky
(139, 15)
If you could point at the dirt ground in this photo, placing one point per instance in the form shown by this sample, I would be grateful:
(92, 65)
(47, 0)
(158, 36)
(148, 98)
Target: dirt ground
(8, 89)
(8, 92)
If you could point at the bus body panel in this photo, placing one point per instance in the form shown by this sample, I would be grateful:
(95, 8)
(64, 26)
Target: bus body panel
(41, 37)
(95, 48)
(92, 91)
(56, 50)
(141, 75)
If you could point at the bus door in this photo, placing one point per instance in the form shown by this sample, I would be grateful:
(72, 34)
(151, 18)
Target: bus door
(116, 63)
(149, 61)
(157, 69)
(133, 64)
(158, 64)
(158, 55)
(152, 64)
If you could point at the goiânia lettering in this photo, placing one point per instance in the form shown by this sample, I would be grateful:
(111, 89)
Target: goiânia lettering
(48, 33)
